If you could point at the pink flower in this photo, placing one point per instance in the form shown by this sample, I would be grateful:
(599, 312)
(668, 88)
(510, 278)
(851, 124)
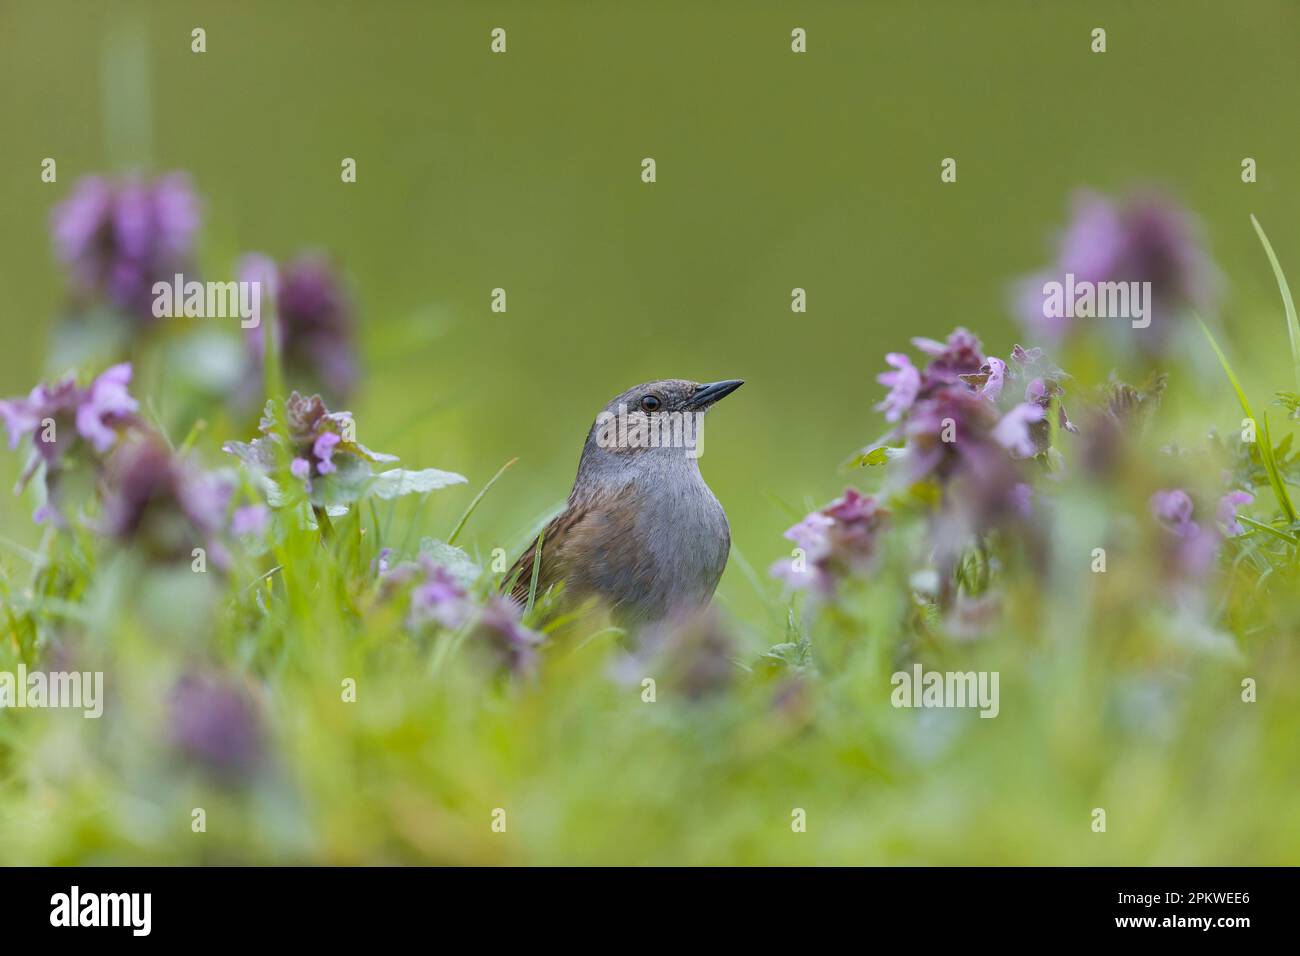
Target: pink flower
(1012, 432)
(323, 449)
(104, 404)
(1227, 511)
(839, 540)
(249, 520)
(904, 384)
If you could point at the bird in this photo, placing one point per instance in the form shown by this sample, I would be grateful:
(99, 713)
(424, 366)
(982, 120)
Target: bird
(641, 534)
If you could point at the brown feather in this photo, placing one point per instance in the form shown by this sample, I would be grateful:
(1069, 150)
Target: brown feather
(586, 527)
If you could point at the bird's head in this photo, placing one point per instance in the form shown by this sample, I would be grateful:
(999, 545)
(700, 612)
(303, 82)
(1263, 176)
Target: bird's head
(661, 419)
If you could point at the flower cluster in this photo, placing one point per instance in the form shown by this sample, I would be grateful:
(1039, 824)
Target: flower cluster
(315, 436)
(1143, 239)
(215, 724)
(162, 503)
(62, 420)
(1191, 546)
(839, 540)
(148, 495)
(118, 238)
(324, 455)
(440, 599)
(966, 420)
(315, 322)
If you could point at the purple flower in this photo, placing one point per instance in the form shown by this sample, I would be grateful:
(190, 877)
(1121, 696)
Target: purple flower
(27, 418)
(250, 520)
(904, 384)
(946, 429)
(501, 631)
(105, 404)
(1143, 239)
(960, 355)
(989, 380)
(315, 324)
(161, 504)
(1012, 432)
(1173, 509)
(1227, 511)
(1191, 549)
(323, 451)
(438, 598)
(316, 436)
(215, 723)
(841, 539)
(56, 416)
(964, 432)
(118, 239)
(691, 656)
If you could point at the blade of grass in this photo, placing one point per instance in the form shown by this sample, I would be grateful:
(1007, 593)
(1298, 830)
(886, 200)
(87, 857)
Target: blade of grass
(198, 428)
(1292, 323)
(1274, 475)
(1260, 526)
(475, 503)
(537, 570)
(1266, 445)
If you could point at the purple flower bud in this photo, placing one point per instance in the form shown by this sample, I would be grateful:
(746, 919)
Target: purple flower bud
(960, 355)
(439, 598)
(1142, 239)
(1227, 511)
(118, 239)
(160, 504)
(1172, 508)
(215, 723)
(323, 450)
(692, 656)
(316, 321)
(250, 520)
(1191, 549)
(499, 628)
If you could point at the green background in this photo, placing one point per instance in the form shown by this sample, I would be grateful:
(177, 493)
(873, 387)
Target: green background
(522, 171)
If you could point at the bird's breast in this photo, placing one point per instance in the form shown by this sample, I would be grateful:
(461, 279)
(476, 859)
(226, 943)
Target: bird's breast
(682, 534)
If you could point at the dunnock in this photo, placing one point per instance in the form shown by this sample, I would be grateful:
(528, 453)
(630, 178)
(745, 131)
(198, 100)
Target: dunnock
(642, 533)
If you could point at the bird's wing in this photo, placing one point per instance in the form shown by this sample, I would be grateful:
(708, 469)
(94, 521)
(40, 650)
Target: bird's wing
(570, 542)
(551, 570)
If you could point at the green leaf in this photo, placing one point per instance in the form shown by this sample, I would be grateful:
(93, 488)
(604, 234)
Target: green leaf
(879, 455)
(1292, 324)
(398, 482)
(456, 561)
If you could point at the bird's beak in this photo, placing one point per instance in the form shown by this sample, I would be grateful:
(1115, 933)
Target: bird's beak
(706, 395)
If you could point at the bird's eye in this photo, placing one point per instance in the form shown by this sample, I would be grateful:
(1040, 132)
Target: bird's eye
(650, 403)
